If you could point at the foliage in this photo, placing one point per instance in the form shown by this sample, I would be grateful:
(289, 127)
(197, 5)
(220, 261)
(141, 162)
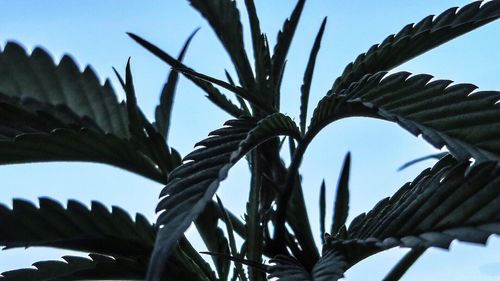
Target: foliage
(54, 112)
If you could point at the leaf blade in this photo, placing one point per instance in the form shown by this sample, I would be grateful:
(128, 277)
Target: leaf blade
(75, 227)
(422, 107)
(163, 111)
(32, 131)
(93, 268)
(450, 201)
(284, 41)
(416, 39)
(224, 18)
(36, 76)
(189, 191)
(307, 80)
(342, 198)
(212, 93)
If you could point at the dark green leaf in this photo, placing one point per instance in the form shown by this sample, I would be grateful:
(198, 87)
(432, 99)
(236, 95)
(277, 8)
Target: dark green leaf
(30, 131)
(163, 111)
(283, 42)
(144, 134)
(56, 113)
(75, 227)
(342, 198)
(212, 93)
(260, 47)
(97, 230)
(416, 39)
(423, 107)
(450, 201)
(97, 267)
(286, 268)
(308, 75)
(37, 77)
(100, 267)
(330, 266)
(135, 121)
(192, 185)
(273, 125)
(224, 17)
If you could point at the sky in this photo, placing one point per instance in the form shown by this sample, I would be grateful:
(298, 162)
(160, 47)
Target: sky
(93, 32)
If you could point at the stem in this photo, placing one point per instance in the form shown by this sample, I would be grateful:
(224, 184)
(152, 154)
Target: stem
(404, 264)
(254, 231)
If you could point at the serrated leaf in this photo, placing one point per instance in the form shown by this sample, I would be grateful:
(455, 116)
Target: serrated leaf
(96, 267)
(286, 268)
(56, 113)
(192, 185)
(416, 39)
(423, 107)
(163, 111)
(308, 75)
(273, 125)
(37, 77)
(30, 131)
(100, 267)
(330, 266)
(224, 18)
(94, 229)
(75, 227)
(450, 201)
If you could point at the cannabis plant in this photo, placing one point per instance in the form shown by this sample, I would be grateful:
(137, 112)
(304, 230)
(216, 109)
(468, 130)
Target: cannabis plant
(55, 112)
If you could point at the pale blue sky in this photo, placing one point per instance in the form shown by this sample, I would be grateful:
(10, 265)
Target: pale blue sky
(93, 32)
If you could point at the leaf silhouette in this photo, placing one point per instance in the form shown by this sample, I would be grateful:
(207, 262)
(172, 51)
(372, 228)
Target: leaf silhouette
(422, 107)
(453, 200)
(416, 39)
(76, 227)
(37, 77)
(192, 185)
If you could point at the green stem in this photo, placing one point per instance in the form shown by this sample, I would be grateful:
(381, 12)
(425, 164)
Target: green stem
(254, 231)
